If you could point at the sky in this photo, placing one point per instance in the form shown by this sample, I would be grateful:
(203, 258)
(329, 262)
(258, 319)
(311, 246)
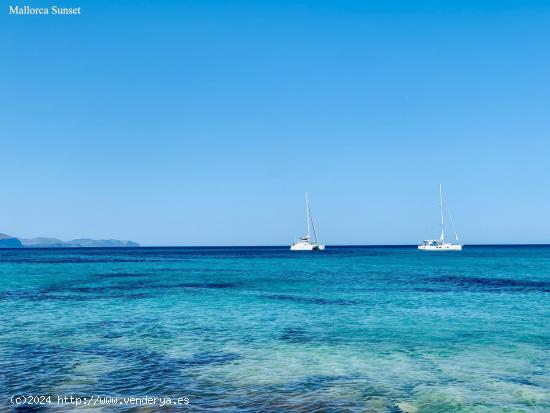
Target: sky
(205, 122)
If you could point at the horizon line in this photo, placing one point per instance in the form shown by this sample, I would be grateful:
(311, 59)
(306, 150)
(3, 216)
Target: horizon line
(279, 246)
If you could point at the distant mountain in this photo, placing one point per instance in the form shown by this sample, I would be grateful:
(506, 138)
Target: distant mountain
(7, 241)
(41, 242)
(88, 243)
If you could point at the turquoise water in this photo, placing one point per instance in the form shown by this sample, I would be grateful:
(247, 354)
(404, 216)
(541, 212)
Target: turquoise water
(247, 330)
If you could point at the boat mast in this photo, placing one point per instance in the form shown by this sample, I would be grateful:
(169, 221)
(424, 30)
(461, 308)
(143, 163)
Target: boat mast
(308, 219)
(442, 237)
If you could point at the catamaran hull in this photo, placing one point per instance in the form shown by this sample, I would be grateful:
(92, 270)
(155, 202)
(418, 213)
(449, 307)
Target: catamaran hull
(446, 247)
(307, 247)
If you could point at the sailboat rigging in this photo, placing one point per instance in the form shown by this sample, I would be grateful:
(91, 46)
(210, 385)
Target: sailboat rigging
(305, 243)
(440, 244)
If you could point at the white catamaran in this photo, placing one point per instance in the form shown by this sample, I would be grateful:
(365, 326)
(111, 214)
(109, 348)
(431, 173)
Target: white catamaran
(440, 244)
(304, 243)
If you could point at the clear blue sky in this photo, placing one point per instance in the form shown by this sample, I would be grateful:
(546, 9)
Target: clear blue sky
(200, 122)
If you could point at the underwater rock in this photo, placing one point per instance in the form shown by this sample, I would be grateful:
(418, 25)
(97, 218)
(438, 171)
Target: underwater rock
(407, 407)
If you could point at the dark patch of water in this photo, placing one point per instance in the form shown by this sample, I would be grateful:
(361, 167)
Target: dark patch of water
(125, 290)
(211, 358)
(74, 260)
(311, 300)
(26, 408)
(121, 275)
(143, 371)
(296, 336)
(34, 368)
(480, 283)
(203, 285)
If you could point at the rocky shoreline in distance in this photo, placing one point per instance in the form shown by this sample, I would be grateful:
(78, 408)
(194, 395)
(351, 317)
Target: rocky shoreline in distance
(8, 241)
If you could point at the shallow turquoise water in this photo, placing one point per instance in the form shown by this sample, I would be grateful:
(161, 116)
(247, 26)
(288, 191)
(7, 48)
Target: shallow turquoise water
(246, 330)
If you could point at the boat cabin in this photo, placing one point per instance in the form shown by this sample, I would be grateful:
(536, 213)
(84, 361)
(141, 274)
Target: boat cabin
(432, 242)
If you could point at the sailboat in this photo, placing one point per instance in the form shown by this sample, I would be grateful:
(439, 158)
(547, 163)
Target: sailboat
(440, 244)
(305, 243)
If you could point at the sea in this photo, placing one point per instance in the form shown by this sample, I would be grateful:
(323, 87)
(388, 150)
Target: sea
(264, 329)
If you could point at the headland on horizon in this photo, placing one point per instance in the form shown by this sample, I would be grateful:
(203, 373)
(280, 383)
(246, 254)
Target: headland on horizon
(8, 241)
